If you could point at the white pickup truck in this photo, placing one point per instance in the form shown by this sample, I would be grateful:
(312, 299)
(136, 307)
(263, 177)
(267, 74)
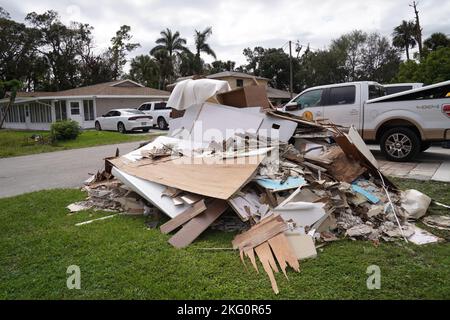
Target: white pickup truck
(404, 123)
(159, 111)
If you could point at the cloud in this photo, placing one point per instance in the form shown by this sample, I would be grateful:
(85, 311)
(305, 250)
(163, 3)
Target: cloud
(238, 24)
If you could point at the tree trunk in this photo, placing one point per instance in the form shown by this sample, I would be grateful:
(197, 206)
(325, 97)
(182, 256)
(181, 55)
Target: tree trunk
(5, 112)
(407, 52)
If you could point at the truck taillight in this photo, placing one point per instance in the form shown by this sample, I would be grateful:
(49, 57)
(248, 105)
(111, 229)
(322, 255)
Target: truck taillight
(446, 109)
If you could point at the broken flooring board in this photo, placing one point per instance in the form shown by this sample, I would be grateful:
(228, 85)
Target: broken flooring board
(283, 252)
(191, 198)
(267, 260)
(250, 253)
(198, 224)
(256, 236)
(183, 217)
(213, 178)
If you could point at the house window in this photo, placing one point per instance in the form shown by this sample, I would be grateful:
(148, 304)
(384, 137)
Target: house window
(74, 108)
(88, 108)
(60, 110)
(239, 83)
(40, 112)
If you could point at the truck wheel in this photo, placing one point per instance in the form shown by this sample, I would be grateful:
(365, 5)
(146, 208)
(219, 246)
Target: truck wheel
(162, 124)
(400, 144)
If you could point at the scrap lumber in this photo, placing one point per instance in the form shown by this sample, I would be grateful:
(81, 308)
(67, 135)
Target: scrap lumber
(284, 254)
(260, 233)
(183, 217)
(267, 260)
(198, 224)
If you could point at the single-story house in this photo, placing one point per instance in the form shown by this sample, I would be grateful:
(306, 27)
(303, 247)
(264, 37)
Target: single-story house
(240, 79)
(37, 110)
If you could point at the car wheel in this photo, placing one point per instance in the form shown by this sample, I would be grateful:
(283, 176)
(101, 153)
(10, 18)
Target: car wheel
(162, 124)
(121, 127)
(146, 130)
(98, 127)
(400, 144)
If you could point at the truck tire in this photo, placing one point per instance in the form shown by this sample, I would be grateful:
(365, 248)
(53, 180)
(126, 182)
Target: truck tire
(162, 123)
(400, 144)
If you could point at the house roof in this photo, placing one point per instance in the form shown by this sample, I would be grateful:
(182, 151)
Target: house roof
(273, 93)
(113, 88)
(234, 74)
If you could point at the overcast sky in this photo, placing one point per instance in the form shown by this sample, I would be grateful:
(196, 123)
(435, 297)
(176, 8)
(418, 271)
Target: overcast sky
(239, 23)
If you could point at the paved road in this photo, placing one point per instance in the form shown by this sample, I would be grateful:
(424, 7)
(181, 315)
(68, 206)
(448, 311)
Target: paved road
(61, 169)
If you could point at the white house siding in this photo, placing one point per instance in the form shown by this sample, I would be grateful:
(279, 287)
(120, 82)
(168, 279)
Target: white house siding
(103, 105)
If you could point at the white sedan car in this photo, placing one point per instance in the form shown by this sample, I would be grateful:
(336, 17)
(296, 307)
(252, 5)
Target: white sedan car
(124, 120)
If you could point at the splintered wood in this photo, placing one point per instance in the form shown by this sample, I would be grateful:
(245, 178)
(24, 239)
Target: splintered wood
(267, 240)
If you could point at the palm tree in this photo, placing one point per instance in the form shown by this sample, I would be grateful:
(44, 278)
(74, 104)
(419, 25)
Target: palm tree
(403, 36)
(201, 46)
(173, 44)
(145, 70)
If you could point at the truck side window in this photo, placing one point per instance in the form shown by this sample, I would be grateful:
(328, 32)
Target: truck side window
(342, 95)
(311, 98)
(376, 91)
(160, 106)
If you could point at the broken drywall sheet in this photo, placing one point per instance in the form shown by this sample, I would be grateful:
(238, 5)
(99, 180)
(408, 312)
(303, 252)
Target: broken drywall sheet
(421, 237)
(152, 192)
(278, 185)
(438, 222)
(302, 213)
(245, 204)
(217, 122)
(302, 245)
(181, 127)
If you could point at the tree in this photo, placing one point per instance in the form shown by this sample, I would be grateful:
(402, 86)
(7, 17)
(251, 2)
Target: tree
(403, 36)
(170, 45)
(145, 70)
(220, 66)
(61, 47)
(120, 46)
(4, 14)
(13, 86)
(434, 68)
(417, 29)
(435, 41)
(201, 46)
(187, 64)
(96, 69)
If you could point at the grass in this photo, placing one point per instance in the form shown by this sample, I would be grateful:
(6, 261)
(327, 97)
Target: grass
(120, 259)
(17, 143)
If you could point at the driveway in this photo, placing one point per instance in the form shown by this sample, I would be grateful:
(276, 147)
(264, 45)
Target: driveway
(61, 169)
(433, 164)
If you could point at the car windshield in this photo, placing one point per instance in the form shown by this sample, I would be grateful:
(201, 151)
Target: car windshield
(133, 111)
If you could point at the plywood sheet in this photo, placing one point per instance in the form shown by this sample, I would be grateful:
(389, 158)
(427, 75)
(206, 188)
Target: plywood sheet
(183, 217)
(217, 180)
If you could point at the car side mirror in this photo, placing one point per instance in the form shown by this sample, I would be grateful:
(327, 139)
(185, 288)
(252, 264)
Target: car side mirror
(299, 105)
(103, 115)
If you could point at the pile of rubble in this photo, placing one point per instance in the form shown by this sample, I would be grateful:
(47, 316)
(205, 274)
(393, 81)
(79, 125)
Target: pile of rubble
(286, 183)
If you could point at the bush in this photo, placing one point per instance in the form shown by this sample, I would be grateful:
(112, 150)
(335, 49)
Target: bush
(65, 130)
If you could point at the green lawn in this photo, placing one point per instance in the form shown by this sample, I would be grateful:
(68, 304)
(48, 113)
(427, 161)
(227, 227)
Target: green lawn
(17, 143)
(120, 258)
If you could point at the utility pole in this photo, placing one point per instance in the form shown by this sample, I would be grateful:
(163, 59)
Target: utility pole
(290, 68)
(418, 28)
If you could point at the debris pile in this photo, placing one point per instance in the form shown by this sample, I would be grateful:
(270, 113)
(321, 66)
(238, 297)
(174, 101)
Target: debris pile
(287, 183)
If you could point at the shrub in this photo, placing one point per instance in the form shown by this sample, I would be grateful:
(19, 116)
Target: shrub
(65, 130)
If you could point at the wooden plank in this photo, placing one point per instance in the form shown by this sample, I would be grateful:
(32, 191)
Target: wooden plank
(253, 238)
(244, 235)
(251, 255)
(191, 198)
(284, 253)
(198, 224)
(266, 258)
(183, 217)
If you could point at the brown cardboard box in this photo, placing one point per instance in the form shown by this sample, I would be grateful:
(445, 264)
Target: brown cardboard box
(249, 96)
